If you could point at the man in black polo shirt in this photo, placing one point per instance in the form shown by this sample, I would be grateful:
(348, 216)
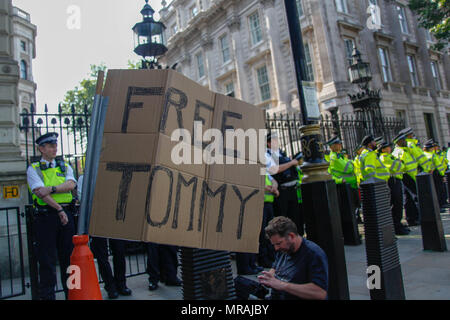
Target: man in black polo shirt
(300, 270)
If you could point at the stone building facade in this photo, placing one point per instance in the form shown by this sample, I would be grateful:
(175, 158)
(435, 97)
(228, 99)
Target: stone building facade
(243, 48)
(17, 93)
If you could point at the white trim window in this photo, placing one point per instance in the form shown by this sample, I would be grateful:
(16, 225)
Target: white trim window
(255, 28)
(23, 46)
(385, 65)
(23, 70)
(402, 19)
(225, 48)
(412, 70)
(341, 6)
(349, 45)
(263, 83)
(200, 65)
(436, 75)
(299, 8)
(308, 63)
(229, 89)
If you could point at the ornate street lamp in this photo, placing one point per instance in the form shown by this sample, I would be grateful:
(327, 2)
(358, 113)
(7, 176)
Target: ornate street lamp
(149, 38)
(366, 103)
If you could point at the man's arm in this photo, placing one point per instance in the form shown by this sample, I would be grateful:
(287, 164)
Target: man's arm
(52, 203)
(65, 187)
(305, 291)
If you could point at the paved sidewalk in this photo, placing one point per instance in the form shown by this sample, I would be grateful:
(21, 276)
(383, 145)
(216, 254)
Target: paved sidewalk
(426, 274)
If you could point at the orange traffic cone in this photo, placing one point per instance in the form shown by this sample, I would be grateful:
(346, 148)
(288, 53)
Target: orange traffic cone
(83, 283)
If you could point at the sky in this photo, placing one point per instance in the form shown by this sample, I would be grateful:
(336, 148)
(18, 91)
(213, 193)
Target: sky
(67, 43)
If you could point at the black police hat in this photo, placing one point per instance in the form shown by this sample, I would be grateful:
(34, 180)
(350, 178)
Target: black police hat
(406, 131)
(366, 140)
(400, 136)
(383, 145)
(333, 140)
(50, 137)
(429, 144)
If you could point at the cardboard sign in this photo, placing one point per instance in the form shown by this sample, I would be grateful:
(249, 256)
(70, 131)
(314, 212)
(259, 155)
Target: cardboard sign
(141, 194)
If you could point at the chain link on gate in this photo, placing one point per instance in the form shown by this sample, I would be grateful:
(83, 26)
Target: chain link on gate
(351, 128)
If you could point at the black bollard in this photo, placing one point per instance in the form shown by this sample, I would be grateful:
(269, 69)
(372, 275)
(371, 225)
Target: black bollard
(433, 237)
(348, 218)
(207, 275)
(381, 243)
(323, 226)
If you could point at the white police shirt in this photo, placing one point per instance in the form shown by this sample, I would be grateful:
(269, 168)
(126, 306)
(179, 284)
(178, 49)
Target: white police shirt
(34, 181)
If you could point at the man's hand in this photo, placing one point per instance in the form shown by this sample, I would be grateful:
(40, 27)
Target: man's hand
(63, 216)
(276, 192)
(268, 279)
(42, 192)
(293, 163)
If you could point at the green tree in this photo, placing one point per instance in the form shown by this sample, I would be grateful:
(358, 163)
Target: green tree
(84, 93)
(434, 15)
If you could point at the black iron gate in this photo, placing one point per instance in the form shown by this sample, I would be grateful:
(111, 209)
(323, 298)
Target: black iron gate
(351, 128)
(12, 270)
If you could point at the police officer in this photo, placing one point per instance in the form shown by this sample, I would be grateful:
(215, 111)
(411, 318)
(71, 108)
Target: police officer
(51, 182)
(437, 170)
(162, 265)
(114, 284)
(283, 170)
(370, 164)
(410, 199)
(396, 169)
(341, 169)
(416, 151)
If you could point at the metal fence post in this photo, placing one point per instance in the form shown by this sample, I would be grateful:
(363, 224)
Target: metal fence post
(32, 261)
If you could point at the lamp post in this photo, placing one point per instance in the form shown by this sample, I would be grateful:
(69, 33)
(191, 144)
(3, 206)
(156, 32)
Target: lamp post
(322, 215)
(366, 103)
(149, 38)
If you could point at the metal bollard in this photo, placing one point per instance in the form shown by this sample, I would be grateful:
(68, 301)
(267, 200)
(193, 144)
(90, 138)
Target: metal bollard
(348, 219)
(381, 243)
(433, 237)
(207, 275)
(323, 226)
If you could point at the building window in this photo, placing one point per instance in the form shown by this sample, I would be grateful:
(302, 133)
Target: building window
(23, 46)
(263, 82)
(341, 6)
(349, 45)
(309, 64)
(402, 19)
(435, 73)
(194, 11)
(200, 66)
(375, 14)
(255, 28)
(413, 70)
(401, 115)
(385, 66)
(429, 125)
(225, 49)
(428, 35)
(229, 89)
(23, 70)
(299, 8)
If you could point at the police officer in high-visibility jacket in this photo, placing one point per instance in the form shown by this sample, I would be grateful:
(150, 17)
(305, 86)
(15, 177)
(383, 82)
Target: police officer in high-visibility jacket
(357, 163)
(437, 170)
(416, 151)
(396, 169)
(371, 166)
(340, 168)
(410, 199)
(51, 182)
